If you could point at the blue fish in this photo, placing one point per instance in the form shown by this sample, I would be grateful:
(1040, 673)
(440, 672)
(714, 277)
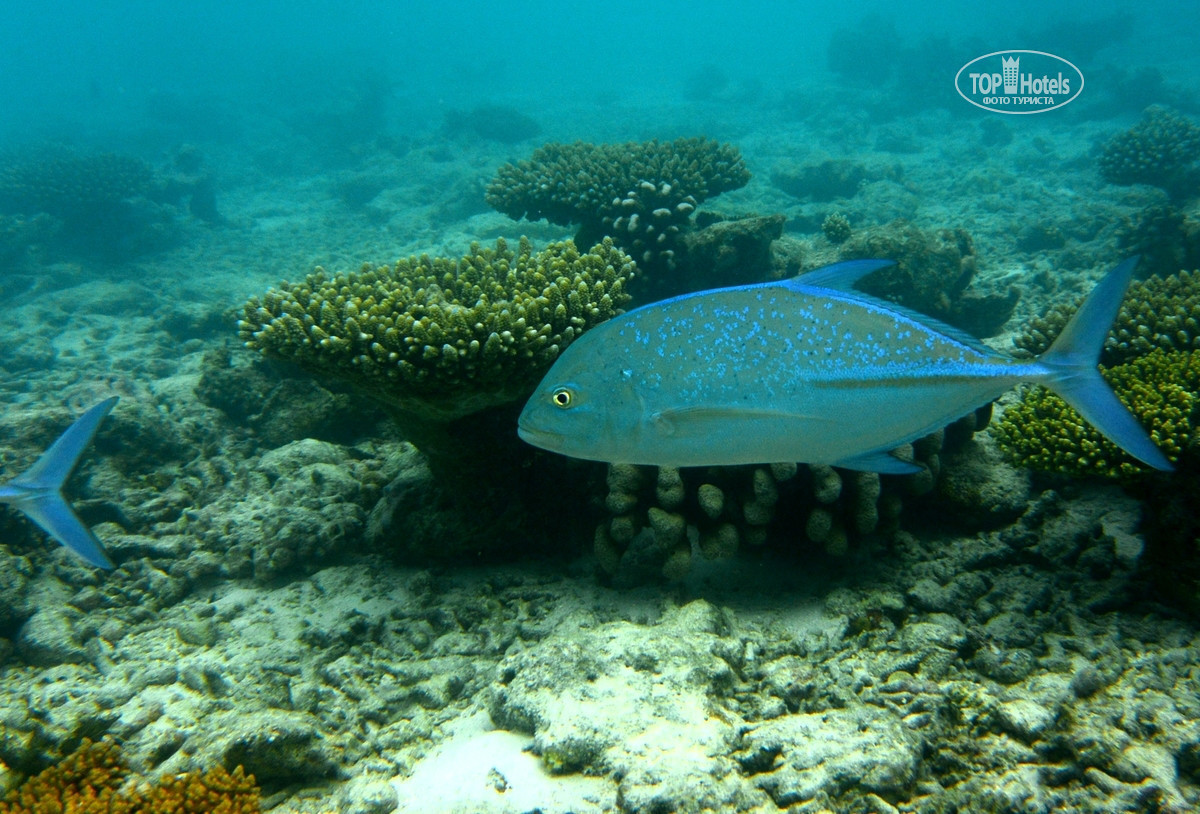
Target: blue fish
(38, 490)
(808, 370)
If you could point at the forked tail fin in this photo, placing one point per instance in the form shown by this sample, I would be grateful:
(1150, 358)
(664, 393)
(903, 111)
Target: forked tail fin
(38, 490)
(1072, 360)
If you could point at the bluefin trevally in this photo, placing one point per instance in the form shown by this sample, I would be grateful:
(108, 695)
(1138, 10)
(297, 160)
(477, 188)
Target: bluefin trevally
(38, 490)
(807, 370)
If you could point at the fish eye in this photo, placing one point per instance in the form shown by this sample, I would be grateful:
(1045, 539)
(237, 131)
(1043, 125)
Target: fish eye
(562, 397)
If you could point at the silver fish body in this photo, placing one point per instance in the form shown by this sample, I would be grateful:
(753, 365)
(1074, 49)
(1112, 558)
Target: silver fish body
(807, 370)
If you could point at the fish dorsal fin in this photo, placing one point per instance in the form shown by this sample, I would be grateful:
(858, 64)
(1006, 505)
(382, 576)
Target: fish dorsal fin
(840, 277)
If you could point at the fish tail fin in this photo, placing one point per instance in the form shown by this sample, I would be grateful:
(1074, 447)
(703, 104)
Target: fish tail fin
(1072, 362)
(38, 490)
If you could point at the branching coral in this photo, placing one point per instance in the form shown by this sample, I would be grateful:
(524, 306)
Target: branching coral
(437, 338)
(93, 780)
(642, 194)
(451, 349)
(1161, 150)
(1162, 312)
(70, 185)
(103, 201)
(1161, 388)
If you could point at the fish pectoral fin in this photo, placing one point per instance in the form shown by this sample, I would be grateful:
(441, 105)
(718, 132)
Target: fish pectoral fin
(883, 462)
(677, 420)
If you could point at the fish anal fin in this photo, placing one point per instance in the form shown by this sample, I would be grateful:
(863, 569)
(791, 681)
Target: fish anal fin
(883, 462)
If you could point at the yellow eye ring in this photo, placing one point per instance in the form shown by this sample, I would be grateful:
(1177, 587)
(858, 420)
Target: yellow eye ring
(562, 397)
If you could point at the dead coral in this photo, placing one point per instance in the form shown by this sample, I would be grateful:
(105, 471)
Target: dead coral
(933, 273)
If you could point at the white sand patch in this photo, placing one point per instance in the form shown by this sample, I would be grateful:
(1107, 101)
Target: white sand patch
(487, 770)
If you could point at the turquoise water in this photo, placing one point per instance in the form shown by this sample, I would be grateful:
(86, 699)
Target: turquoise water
(362, 587)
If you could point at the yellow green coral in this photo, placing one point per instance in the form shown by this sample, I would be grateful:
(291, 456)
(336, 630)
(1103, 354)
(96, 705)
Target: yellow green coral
(1161, 312)
(93, 780)
(439, 338)
(1162, 389)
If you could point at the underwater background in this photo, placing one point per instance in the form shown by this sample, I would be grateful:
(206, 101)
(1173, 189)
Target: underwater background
(318, 252)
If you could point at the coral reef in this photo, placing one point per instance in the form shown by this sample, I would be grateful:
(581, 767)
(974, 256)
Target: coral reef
(102, 200)
(1166, 238)
(729, 251)
(437, 338)
(641, 194)
(656, 512)
(450, 349)
(1161, 388)
(836, 228)
(932, 274)
(1161, 150)
(93, 780)
(72, 186)
(1161, 312)
(1152, 360)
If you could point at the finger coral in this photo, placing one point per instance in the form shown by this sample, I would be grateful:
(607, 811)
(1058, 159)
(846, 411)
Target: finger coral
(1161, 150)
(438, 338)
(727, 508)
(93, 780)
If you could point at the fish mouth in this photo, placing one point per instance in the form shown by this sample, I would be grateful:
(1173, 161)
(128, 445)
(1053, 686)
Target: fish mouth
(544, 439)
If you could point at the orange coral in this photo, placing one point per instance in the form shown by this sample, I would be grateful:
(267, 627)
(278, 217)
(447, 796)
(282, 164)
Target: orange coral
(90, 781)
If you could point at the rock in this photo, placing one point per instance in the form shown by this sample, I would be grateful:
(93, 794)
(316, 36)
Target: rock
(48, 638)
(797, 758)
(1003, 666)
(368, 796)
(978, 489)
(14, 588)
(1087, 681)
(636, 701)
(1024, 719)
(939, 630)
(277, 747)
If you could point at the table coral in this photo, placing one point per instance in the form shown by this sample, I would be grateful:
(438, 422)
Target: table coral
(106, 204)
(71, 185)
(1161, 150)
(437, 338)
(450, 349)
(642, 194)
(93, 780)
